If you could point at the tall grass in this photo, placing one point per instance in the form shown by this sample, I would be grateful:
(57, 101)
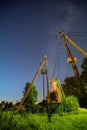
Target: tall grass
(25, 121)
(71, 118)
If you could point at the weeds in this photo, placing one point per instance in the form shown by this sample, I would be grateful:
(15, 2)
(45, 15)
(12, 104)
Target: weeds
(68, 121)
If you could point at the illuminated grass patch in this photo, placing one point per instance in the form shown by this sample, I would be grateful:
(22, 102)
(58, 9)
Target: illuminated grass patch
(68, 121)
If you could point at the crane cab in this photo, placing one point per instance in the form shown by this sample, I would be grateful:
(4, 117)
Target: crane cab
(55, 93)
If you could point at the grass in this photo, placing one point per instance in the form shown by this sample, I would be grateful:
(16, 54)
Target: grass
(68, 121)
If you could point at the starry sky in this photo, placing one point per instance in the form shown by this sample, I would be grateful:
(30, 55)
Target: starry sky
(28, 30)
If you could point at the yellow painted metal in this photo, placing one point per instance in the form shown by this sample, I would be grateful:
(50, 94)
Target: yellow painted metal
(56, 89)
(69, 59)
(73, 44)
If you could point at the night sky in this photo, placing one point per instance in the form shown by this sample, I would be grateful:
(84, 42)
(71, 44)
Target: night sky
(28, 30)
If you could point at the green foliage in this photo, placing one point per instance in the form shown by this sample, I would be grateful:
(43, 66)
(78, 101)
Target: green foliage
(25, 121)
(31, 97)
(82, 110)
(71, 87)
(84, 65)
(71, 104)
(5, 106)
(84, 73)
(5, 120)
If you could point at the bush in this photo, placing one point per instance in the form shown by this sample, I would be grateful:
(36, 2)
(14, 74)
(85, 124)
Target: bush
(68, 104)
(71, 104)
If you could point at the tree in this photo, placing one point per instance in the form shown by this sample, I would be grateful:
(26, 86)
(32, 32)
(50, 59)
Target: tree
(32, 95)
(71, 87)
(2, 105)
(9, 106)
(84, 73)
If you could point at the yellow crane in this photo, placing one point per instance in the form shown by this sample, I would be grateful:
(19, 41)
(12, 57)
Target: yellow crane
(71, 59)
(44, 62)
(64, 37)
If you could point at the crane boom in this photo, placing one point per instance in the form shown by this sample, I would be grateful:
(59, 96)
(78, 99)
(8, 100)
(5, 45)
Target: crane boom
(71, 58)
(45, 61)
(73, 44)
(72, 61)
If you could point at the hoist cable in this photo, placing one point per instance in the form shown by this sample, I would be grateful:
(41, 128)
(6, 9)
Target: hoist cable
(57, 60)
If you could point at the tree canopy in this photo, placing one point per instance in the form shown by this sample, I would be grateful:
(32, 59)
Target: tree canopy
(84, 73)
(71, 87)
(32, 95)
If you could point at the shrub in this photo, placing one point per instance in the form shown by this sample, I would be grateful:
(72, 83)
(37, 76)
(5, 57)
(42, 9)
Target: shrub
(68, 104)
(71, 104)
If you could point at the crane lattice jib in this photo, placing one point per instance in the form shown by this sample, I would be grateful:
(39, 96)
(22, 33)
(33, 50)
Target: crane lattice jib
(73, 44)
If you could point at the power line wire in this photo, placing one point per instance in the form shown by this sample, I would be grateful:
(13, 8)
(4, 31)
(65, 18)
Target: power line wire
(77, 33)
